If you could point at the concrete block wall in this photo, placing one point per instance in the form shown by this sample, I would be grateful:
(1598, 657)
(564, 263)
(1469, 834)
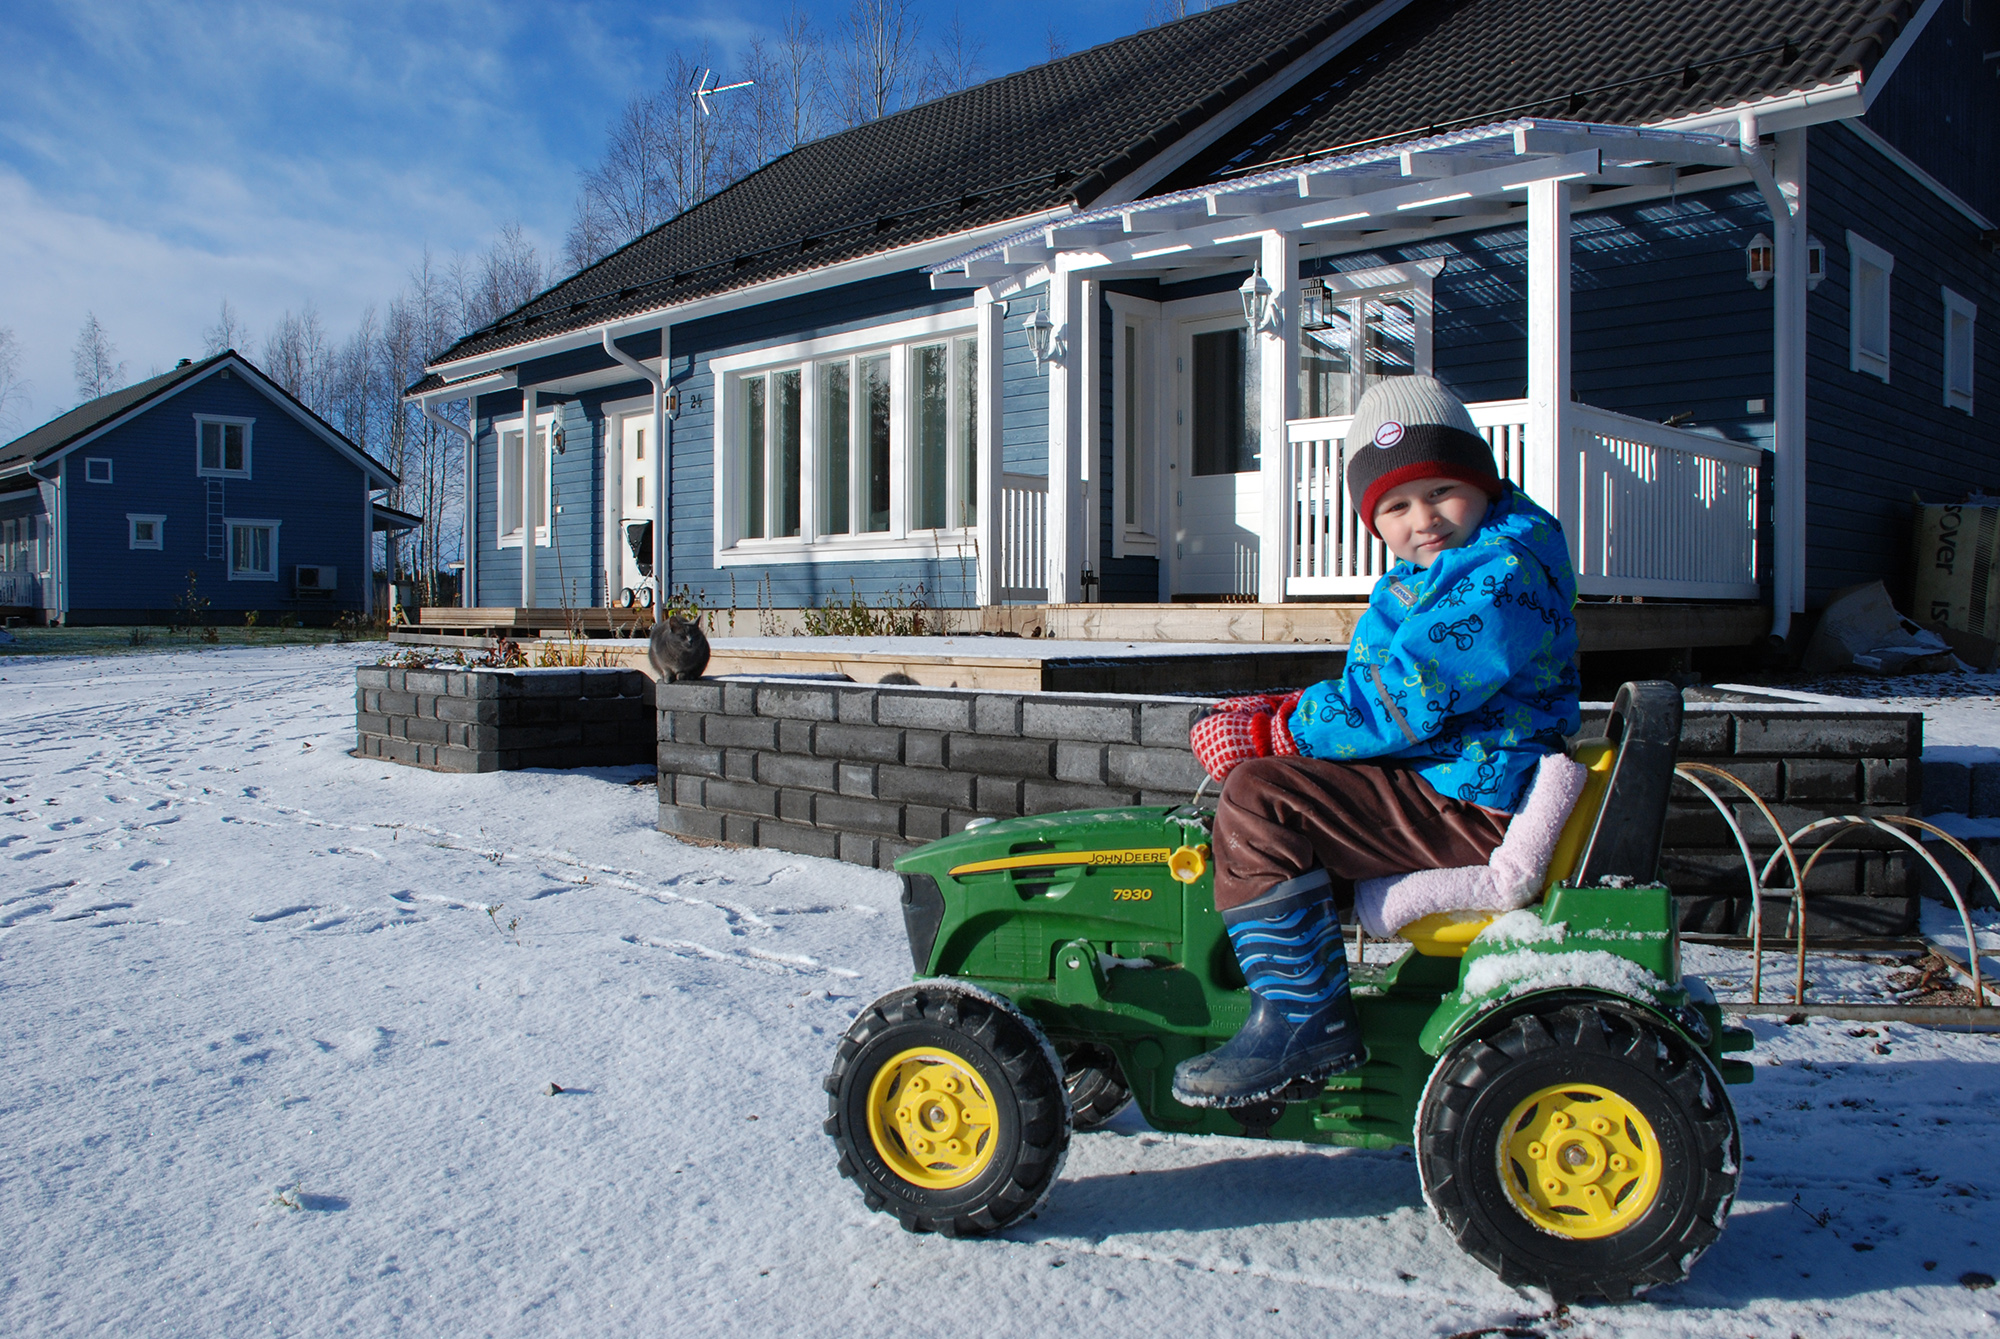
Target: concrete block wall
(864, 773)
(480, 720)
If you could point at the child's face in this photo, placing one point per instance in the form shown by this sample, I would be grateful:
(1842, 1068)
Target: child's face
(1423, 518)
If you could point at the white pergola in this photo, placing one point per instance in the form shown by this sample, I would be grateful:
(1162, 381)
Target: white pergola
(1533, 170)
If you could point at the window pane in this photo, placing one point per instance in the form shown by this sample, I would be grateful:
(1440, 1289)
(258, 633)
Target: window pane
(965, 431)
(538, 480)
(753, 458)
(836, 429)
(211, 446)
(232, 446)
(1221, 446)
(1390, 326)
(1958, 356)
(1326, 365)
(785, 450)
(931, 417)
(875, 379)
(639, 444)
(1872, 300)
(1131, 442)
(639, 492)
(510, 482)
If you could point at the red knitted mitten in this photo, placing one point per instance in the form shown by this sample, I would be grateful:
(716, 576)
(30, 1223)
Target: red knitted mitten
(1255, 705)
(1223, 739)
(1282, 743)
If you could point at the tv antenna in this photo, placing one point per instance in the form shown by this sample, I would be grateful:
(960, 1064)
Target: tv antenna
(704, 90)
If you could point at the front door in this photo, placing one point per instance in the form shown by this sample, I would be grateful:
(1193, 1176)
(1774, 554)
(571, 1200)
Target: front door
(1218, 495)
(636, 509)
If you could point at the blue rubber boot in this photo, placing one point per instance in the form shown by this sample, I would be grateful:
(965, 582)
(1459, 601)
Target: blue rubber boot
(1302, 1024)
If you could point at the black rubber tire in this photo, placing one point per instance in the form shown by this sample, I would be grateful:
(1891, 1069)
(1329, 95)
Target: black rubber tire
(1095, 1085)
(1477, 1085)
(1032, 1125)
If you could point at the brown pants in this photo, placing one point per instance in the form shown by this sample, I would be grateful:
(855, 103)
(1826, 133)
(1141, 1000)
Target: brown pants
(1280, 817)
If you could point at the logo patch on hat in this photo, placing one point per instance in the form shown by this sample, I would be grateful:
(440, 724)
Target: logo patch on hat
(1389, 433)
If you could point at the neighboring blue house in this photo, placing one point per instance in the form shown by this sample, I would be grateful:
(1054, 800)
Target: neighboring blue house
(211, 468)
(1711, 276)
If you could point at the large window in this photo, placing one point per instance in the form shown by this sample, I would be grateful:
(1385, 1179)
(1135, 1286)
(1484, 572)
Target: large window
(1221, 434)
(1869, 268)
(222, 447)
(850, 441)
(524, 482)
(1350, 340)
(1961, 318)
(253, 550)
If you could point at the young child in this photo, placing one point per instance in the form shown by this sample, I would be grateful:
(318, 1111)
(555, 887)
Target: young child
(1460, 677)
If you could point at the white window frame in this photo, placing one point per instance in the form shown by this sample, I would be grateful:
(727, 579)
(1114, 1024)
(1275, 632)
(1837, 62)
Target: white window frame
(201, 421)
(1956, 309)
(230, 525)
(90, 465)
(133, 520)
(1862, 255)
(545, 422)
(901, 540)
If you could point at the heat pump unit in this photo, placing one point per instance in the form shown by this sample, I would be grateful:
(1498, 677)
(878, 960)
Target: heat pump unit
(315, 579)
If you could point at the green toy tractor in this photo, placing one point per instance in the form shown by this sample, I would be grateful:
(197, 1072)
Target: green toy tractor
(1560, 1079)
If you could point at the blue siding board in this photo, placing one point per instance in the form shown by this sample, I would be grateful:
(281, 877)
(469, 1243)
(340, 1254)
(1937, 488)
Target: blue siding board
(1941, 107)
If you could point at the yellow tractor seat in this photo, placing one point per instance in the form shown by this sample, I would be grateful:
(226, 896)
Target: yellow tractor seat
(1641, 733)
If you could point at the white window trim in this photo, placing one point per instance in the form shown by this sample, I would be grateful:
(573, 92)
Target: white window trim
(1138, 539)
(229, 524)
(91, 463)
(132, 522)
(731, 549)
(1861, 251)
(1957, 305)
(545, 420)
(247, 424)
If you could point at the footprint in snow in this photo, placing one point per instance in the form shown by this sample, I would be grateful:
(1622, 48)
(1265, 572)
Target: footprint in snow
(266, 917)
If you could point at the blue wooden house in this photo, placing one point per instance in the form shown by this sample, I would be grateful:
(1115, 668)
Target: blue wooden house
(212, 470)
(1710, 276)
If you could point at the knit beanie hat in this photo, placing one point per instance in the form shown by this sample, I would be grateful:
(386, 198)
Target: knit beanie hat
(1408, 428)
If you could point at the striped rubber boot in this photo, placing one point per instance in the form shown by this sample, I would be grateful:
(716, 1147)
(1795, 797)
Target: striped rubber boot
(1302, 1023)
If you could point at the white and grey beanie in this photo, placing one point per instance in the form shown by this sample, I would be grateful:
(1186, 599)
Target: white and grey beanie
(1408, 428)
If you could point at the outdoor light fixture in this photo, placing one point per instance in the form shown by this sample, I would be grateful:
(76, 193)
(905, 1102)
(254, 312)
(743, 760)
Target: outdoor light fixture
(1312, 307)
(1815, 262)
(1256, 295)
(1041, 333)
(1762, 262)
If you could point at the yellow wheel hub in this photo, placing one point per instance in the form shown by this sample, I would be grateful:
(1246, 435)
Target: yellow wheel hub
(1579, 1161)
(931, 1118)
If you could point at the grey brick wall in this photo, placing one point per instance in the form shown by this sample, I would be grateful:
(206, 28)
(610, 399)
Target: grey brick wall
(503, 720)
(866, 772)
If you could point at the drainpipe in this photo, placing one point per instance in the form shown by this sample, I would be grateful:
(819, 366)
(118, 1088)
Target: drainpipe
(470, 582)
(58, 541)
(1788, 392)
(657, 380)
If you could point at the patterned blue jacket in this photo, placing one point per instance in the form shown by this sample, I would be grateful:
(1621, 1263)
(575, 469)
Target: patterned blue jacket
(1467, 668)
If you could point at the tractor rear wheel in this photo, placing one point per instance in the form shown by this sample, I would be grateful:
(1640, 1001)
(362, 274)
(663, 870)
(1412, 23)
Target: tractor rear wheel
(1589, 1150)
(1095, 1085)
(948, 1108)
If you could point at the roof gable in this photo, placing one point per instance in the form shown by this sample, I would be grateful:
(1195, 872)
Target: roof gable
(92, 419)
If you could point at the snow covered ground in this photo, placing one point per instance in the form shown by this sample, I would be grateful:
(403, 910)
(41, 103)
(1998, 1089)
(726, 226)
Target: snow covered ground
(278, 1028)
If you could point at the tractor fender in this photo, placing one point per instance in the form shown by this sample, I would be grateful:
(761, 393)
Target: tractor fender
(1455, 1018)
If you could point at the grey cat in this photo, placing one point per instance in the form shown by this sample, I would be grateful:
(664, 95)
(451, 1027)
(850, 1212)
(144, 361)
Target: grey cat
(678, 649)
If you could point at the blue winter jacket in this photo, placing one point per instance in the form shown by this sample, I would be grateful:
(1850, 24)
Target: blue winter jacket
(1467, 667)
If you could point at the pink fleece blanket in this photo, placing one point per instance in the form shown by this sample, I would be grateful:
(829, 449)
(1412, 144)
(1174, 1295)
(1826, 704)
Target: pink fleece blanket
(1511, 877)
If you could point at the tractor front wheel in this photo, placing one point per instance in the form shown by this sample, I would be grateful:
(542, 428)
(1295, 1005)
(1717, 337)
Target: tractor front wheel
(1588, 1150)
(948, 1108)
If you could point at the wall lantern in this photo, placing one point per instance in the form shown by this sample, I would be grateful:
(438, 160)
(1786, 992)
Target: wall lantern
(1815, 262)
(1312, 307)
(1762, 256)
(1041, 333)
(1257, 305)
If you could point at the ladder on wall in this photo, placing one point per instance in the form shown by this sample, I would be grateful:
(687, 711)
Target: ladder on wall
(218, 536)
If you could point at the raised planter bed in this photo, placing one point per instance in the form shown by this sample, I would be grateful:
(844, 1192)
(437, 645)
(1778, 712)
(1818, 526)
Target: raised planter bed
(502, 720)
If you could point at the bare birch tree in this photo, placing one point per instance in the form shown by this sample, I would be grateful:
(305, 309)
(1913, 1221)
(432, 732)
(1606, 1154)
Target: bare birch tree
(95, 360)
(955, 63)
(13, 390)
(880, 61)
(228, 332)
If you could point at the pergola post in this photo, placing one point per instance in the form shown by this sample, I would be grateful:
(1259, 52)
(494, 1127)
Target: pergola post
(1788, 392)
(1278, 404)
(528, 509)
(1550, 474)
(987, 457)
(1065, 437)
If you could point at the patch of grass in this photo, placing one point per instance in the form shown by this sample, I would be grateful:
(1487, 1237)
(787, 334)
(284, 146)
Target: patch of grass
(145, 641)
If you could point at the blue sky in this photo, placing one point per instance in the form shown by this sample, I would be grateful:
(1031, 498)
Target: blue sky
(155, 158)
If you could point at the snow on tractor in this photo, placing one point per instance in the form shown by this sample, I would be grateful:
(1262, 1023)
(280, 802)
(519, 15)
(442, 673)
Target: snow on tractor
(1561, 1081)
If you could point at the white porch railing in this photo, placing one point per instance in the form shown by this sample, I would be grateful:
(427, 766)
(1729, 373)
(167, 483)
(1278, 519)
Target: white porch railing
(1648, 509)
(1024, 537)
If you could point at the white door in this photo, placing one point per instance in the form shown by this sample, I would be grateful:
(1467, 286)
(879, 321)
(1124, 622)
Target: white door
(636, 506)
(1218, 492)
